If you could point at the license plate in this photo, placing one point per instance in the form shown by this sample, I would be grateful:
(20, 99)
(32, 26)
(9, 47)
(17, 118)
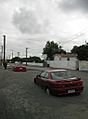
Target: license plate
(71, 91)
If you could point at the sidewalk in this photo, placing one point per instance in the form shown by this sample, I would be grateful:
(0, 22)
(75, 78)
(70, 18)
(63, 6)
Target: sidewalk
(35, 68)
(29, 67)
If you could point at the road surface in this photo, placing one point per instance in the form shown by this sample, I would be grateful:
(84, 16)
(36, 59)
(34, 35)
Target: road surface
(20, 98)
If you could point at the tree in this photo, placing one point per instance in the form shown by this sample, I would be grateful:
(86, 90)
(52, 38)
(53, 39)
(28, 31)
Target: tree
(32, 59)
(52, 48)
(15, 59)
(35, 59)
(81, 51)
(74, 50)
(61, 50)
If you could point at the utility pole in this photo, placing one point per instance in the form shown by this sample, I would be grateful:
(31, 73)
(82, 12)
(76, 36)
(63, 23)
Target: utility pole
(12, 54)
(1, 52)
(9, 57)
(26, 56)
(4, 45)
(18, 54)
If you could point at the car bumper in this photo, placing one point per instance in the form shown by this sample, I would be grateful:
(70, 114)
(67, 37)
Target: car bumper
(77, 90)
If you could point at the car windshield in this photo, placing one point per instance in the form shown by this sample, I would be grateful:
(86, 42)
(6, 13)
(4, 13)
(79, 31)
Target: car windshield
(60, 75)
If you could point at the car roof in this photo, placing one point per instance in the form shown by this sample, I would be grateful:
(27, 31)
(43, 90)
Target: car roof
(55, 70)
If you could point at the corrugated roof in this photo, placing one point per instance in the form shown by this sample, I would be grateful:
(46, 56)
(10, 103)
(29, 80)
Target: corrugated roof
(66, 55)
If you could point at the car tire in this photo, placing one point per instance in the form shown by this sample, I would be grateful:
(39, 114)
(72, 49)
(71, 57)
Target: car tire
(35, 81)
(48, 92)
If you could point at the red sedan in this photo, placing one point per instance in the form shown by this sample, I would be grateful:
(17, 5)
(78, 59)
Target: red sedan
(59, 82)
(19, 69)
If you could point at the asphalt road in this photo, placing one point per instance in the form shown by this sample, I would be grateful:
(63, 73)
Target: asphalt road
(20, 98)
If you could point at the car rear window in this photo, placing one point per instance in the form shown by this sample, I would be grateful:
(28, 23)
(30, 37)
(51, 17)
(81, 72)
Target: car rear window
(60, 75)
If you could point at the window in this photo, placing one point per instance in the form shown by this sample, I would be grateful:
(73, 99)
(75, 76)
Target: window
(60, 75)
(68, 58)
(44, 74)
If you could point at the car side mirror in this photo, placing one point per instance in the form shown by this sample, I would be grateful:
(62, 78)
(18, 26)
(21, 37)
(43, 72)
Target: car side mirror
(37, 76)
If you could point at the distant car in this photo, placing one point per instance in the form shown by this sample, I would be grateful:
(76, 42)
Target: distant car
(8, 66)
(59, 82)
(19, 69)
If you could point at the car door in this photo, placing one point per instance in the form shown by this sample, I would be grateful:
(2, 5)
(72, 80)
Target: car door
(41, 78)
(44, 80)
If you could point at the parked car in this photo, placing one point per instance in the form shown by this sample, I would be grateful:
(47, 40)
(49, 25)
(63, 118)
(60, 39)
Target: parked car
(59, 82)
(19, 69)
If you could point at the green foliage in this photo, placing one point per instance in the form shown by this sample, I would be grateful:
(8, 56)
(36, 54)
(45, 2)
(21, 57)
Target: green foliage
(35, 59)
(81, 51)
(52, 48)
(31, 59)
(15, 59)
(74, 50)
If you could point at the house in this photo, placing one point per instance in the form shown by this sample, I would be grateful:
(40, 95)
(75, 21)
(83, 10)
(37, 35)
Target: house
(83, 65)
(67, 61)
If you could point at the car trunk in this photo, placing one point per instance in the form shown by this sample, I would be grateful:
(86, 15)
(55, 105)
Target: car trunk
(68, 83)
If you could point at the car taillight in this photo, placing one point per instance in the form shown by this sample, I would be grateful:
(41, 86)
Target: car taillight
(80, 83)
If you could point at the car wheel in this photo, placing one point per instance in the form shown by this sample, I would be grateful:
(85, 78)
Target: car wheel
(34, 80)
(48, 91)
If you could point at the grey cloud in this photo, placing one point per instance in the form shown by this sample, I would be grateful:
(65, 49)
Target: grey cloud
(3, 1)
(27, 21)
(74, 5)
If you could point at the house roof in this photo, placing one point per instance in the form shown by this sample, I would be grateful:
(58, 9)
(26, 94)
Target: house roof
(66, 55)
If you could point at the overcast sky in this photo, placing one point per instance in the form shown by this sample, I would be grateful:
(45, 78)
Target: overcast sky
(31, 23)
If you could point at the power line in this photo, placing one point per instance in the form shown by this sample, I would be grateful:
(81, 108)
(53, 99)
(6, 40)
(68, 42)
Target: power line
(75, 36)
